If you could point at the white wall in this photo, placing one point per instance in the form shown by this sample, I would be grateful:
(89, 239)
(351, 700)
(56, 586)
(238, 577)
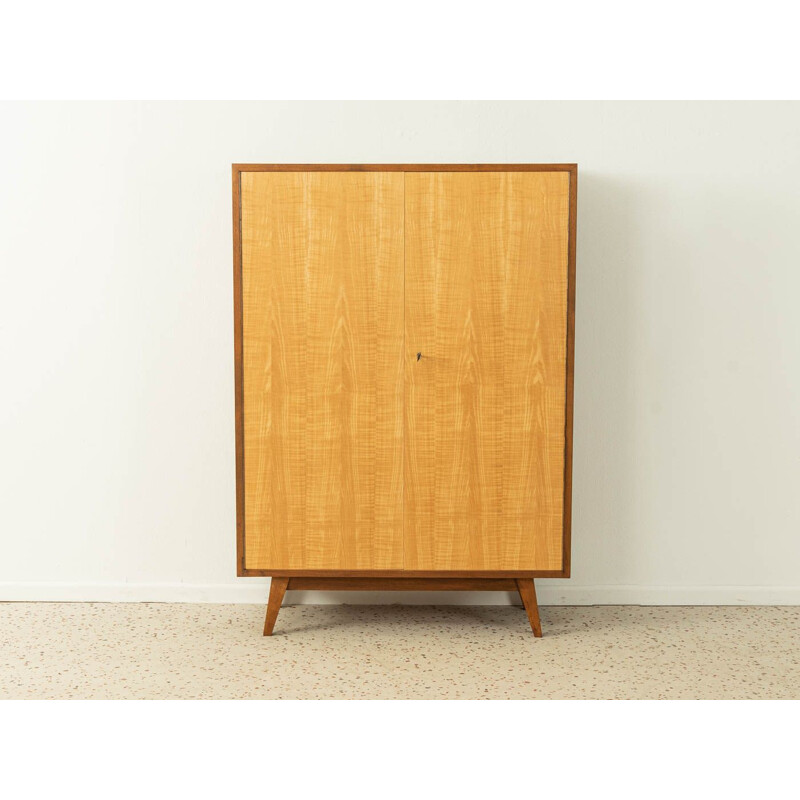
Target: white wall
(116, 360)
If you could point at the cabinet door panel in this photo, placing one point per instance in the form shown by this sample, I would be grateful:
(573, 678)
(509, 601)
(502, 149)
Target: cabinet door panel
(485, 373)
(322, 325)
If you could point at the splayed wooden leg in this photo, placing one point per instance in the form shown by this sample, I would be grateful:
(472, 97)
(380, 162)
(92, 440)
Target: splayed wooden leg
(527, 591)
(277, 589)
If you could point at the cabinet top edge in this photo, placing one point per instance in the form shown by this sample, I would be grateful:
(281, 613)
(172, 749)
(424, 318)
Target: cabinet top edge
(404, 168)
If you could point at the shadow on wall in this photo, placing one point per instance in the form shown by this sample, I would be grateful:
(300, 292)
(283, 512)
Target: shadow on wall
(609, 251)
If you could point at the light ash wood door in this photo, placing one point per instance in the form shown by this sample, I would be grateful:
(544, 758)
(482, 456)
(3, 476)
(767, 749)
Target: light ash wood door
(485, 369)
(322, 332)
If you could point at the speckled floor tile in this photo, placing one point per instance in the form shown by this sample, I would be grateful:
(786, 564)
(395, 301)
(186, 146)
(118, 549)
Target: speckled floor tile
(188, 650)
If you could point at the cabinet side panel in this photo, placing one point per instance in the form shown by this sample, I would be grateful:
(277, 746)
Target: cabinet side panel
(486, 310)
(322, 305)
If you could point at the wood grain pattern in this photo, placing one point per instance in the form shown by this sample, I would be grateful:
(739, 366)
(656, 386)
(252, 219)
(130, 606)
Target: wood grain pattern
(322, 329)
(485, 369)
(244, 565)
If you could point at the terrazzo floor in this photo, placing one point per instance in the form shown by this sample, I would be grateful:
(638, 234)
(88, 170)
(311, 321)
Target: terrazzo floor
(189, 650)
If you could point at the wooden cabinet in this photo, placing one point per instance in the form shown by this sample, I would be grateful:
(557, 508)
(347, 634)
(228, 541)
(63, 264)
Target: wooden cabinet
(403, 342)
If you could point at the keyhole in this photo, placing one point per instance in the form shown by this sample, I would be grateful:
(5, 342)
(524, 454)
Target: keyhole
(419, 356)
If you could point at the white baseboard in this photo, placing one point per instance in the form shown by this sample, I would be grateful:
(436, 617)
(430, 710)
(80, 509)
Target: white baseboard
(254, 590)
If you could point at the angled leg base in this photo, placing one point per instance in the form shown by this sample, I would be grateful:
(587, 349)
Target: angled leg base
(280, 584)
(277, 589)
(527, 591)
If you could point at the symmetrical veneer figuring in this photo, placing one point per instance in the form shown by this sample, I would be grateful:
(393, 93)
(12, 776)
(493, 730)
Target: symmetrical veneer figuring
(404, 341)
